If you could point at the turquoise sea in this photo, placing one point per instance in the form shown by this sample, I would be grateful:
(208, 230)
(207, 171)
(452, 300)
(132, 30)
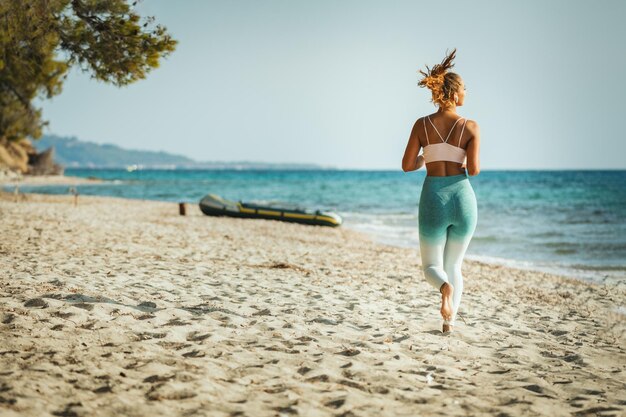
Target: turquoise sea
(568, 222)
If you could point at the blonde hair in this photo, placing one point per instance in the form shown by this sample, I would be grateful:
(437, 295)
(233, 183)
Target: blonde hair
(443, 84)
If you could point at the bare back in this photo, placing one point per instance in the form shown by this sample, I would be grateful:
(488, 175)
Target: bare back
(444, 123)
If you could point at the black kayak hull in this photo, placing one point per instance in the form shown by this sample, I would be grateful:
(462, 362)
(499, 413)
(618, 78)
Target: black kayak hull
(213, 205)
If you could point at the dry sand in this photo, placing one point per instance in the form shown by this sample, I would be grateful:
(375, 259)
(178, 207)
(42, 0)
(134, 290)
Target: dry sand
(123, 307)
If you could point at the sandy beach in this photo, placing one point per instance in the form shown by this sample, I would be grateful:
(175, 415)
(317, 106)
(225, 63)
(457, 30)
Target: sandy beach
(123, 307)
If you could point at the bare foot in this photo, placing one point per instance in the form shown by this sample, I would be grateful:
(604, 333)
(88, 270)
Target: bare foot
(446, 301)
(446, 328)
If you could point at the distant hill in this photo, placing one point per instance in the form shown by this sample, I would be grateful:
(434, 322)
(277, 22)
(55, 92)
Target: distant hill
(74, 153)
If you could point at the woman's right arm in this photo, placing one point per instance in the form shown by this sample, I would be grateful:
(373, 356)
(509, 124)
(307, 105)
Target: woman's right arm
(473, 149)
(411, 161)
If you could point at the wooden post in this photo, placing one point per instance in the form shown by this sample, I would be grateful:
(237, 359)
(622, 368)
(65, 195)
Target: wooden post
(74, 191)
(181, 208)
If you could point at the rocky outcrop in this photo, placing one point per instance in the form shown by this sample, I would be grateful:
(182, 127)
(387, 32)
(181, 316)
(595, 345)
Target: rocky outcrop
(43, 163)
(22, 157)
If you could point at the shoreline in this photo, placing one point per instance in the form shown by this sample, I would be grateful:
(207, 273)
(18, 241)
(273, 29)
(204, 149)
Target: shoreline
(581, 274)
(522, 265)
(475, 260)
(48, 180)
(137, 310)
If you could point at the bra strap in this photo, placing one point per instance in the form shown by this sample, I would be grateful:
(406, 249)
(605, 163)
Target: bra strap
(424, 120)
(431, 123)
(462, 132)
(453, 126)
(449, 133)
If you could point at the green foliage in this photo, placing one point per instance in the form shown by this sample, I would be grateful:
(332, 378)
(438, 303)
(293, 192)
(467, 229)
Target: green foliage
(42, 39)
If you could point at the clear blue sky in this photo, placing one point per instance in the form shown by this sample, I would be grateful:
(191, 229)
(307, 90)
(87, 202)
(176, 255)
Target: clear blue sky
(334, 82)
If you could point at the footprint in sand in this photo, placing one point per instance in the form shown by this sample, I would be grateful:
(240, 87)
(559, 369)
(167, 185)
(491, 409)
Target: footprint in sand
(84, 306)
(176, 322)
(8, 318)
(304, 370)
(71, 409)
(349, 352)
(323, 320)
(336, 403)
(36, 302)
(197, 336)
(318, 378)
(194, 354)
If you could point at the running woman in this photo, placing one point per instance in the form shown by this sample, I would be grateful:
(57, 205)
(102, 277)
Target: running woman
(448, 211)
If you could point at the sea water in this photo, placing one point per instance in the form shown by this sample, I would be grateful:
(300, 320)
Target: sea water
(567, 222)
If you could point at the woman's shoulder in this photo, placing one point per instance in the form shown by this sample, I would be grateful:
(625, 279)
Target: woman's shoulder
(422, 119)
(472, 130)
(472, 125)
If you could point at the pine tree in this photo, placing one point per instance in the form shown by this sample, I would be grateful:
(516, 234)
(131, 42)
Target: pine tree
(42, 39)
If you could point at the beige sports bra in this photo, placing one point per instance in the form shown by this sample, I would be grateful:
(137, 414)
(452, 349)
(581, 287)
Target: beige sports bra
(444, 151)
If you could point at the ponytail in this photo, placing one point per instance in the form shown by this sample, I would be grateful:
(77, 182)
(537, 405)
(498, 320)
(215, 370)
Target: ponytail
(441, 82)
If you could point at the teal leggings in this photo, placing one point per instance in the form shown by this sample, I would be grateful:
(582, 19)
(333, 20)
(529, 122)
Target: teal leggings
(447, 218)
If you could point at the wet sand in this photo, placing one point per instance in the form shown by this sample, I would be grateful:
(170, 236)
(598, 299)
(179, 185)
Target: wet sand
(123, 307)
(47, 180)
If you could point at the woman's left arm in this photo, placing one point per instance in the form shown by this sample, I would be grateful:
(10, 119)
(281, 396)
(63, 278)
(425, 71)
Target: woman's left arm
(411, 161)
